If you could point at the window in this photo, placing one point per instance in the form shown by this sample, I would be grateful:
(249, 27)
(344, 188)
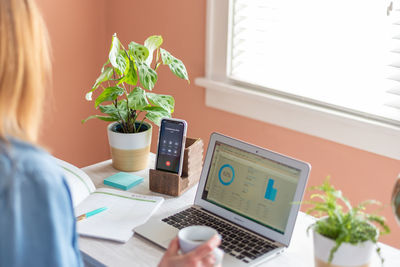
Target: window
(324, 61)
(331, 52)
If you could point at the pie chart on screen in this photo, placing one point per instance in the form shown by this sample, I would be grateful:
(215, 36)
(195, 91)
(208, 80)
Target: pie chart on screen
(226, 174)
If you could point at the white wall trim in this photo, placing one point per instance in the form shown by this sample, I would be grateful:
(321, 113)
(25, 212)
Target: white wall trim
(340, 127)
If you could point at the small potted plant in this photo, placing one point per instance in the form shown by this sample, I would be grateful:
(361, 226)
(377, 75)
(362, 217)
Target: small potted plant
(344, 235)
(126, 99)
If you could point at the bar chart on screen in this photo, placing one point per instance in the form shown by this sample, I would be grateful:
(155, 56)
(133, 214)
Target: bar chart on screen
(270, 193)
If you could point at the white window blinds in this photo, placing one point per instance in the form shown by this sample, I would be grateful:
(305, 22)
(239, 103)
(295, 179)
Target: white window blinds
(336, 53)
(393, 12)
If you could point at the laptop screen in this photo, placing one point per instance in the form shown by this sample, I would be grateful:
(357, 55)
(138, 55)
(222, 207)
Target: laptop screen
(252, 186)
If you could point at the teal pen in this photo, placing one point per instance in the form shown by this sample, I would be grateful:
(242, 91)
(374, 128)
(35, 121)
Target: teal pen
(90, 213)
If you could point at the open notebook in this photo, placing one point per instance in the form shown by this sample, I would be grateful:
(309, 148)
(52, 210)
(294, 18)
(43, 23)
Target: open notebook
(125, 210)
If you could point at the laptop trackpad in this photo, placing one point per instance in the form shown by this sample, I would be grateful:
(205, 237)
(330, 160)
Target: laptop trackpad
(157, 232)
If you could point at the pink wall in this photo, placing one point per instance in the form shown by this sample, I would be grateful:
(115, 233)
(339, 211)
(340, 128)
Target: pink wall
(79, 47)
(80, 38)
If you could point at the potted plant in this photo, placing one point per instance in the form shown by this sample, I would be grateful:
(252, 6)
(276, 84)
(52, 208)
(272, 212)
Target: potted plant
(126, 99)
(396, 200)
(344, 235)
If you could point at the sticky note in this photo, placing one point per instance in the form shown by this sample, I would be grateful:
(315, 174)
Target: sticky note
(123, 180)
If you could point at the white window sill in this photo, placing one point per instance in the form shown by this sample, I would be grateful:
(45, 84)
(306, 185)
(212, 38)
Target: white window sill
(337, 126)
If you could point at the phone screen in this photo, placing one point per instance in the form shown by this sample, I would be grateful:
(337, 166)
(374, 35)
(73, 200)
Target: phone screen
(170, 145)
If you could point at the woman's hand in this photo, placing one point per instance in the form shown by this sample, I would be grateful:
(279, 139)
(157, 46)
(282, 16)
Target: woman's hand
(202, 256)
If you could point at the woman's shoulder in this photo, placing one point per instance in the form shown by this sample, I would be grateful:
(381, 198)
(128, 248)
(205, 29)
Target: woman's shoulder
(32, 184)
(28, 163)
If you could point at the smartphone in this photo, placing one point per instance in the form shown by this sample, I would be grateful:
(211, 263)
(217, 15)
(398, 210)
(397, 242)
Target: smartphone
(171, 145)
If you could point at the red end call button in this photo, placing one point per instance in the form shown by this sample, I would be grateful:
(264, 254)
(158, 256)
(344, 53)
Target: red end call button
(168, 163)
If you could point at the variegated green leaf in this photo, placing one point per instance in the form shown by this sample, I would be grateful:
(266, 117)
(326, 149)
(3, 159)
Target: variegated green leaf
(123, 109)
(166, 57)
(103, 118)
(130, 74)
(137, 99)
(176, 65)
(109, 94)
(155, 114)
(104, 76)
(147, 76)
(114, 51)
(104, 65)
(122, 62)
(108, 109)
(139, 52)
(152, 43)
(166, 102)
(178, 69)
(113, 112)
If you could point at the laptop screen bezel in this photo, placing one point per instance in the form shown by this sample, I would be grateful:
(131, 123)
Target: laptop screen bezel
(303, 167)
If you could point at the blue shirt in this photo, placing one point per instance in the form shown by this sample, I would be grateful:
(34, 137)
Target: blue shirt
(37, 222)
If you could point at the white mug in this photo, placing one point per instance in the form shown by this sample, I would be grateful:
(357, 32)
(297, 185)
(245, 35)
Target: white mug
(193, 236)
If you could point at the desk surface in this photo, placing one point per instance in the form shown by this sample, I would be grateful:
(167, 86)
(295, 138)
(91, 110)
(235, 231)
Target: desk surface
(140, 252)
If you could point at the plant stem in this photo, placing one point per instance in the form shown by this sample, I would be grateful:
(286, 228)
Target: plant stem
(140, 125)
(156, 66)
(127, 55)
(119, 114)
(131, 123)
(157, 57)
(134, 120)
(137, 114)
(157, 62)
(127, 107)
(123, 122)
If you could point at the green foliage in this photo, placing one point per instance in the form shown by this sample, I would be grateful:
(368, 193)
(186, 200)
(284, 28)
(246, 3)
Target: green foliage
(165, 102)
(147, 76)
(155, 114)
(341, 222)
(152, 43)
(175, 65)
(129, 76)
(109, 94)
(138, 52)
(105, 75)
(114, 51)
(137, 99)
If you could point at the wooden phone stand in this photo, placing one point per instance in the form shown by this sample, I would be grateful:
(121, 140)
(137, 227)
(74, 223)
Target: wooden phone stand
(174, 185)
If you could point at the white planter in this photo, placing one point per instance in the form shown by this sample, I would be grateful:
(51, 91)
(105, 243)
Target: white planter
(129, 152)
(347, 255)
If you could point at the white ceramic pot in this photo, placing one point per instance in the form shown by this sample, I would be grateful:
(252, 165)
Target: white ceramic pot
(347, 255)
(129, 151)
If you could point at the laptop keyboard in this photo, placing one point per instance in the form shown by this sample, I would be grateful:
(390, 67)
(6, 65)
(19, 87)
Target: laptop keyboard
(236, 242)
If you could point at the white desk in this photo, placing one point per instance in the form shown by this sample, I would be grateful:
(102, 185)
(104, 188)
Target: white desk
(140, 252)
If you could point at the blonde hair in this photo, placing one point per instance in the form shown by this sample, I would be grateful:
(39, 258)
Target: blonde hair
(24, 69)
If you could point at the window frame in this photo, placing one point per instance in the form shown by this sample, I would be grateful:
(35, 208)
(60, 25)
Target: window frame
(323, 121)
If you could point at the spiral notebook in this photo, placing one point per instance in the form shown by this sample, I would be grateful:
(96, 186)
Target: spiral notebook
(125, 210)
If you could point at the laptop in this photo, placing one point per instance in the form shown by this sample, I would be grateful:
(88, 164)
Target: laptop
(249, 194)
